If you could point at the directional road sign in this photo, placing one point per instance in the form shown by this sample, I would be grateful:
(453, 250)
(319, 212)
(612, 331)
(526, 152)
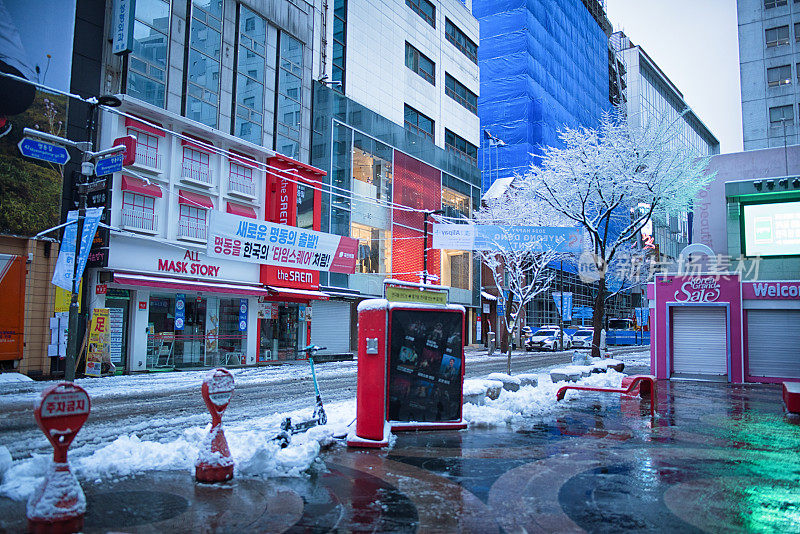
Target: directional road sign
(33, 148)
(109, 165)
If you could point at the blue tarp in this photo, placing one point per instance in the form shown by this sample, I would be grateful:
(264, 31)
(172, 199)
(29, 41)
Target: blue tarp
(543, 66)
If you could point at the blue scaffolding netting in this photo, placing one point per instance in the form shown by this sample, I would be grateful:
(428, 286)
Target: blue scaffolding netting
(543, 65)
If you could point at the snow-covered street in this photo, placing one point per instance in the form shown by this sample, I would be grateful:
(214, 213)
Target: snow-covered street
(156, 422)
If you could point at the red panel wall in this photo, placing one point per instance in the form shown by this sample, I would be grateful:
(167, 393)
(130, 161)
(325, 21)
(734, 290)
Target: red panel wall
(419, 186)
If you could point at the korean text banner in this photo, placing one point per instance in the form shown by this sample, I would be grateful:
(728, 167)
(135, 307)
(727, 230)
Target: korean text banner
(243, 239)
(489, 237)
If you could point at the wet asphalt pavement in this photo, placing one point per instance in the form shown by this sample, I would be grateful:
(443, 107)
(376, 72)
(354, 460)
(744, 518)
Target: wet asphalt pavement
(716, 458)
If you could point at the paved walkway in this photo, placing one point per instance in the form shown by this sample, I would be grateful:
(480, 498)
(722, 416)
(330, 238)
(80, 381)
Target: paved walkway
(717, 458)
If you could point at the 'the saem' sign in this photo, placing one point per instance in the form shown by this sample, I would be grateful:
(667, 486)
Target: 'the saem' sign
(701, 289)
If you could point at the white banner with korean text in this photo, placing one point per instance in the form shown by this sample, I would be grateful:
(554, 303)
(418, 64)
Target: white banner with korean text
(236, 238)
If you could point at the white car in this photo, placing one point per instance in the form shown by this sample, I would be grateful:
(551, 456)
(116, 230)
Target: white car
(582, 339)
(547, 338)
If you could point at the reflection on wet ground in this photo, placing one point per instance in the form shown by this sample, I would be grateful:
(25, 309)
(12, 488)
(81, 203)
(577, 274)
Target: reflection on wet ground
(716, 458)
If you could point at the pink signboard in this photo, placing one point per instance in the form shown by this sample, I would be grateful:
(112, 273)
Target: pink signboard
(785, 290)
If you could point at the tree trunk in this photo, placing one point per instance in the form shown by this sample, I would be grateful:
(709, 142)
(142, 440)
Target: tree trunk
(598, 315)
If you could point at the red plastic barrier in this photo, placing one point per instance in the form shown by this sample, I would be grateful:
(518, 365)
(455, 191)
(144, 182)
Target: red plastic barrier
(59, 504)
(214, 463)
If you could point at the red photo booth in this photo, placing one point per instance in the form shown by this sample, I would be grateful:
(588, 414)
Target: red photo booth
(410, 369)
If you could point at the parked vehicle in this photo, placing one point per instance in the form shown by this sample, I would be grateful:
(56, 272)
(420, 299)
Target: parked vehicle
(582, 339)
(547, 338)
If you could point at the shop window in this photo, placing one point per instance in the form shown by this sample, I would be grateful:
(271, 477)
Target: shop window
(374, 249)
(138, 211)
(372, 182)
(460, 40)
(146, 149)
(250, 76)
(231, 341)
(424, 9)
(203, 64)
(241, 179)
(781, 75)
(192, 222)
(777, 36)
(458, 92)
(456, 205)
(781, 115)
(290, 90)
(457, 269)
(146, 75)
(421, 64)
(305, 206)
(196, 165)
(461, 147)
(417, 122)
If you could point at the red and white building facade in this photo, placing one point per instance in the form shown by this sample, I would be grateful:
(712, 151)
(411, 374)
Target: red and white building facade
(171, 305)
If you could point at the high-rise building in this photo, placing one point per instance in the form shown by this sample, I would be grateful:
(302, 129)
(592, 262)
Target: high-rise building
(769, 61)
(544, 65)
(651, 95)
(396, 128)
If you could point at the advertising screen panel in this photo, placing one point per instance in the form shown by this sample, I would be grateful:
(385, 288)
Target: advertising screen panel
(771, 229)
(425, 366)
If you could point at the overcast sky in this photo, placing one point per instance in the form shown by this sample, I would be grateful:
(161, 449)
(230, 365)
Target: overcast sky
(695, 43)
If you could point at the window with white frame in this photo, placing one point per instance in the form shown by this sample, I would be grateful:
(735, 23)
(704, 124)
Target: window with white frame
(241, 179)
(192, 222)
(196, 165)
(769, 4)
(781, 114)
(777, 36)
(146, 149)
(138, 211)
(781, 75)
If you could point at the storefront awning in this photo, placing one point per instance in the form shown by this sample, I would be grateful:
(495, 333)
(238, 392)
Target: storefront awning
(302, 294)
(193, 199)
(142, 280)
(243, 211)
(487, 296)
(135, 185)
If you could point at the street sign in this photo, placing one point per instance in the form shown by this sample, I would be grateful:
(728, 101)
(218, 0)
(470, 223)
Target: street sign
(97, 185)
(109, 165)
(33, 148)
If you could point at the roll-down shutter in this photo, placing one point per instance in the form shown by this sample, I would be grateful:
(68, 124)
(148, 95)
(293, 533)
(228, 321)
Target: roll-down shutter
(773, 343)
(699, 340)
(330, 326)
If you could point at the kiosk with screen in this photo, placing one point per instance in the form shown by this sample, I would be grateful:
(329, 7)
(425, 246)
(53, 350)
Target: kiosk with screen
(410, 368)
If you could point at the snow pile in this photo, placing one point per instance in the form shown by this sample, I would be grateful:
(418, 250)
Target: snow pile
(531, 401)
(254, 452)
(14, 378)
(5, 461)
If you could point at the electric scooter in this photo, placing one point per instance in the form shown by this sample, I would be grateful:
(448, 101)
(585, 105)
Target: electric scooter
(318, 418)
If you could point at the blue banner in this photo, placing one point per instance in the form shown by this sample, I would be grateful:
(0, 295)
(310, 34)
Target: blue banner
(491, 237)
(566, 313)
(242, 315)
(65, 264)
(90, 224)
(180, 311)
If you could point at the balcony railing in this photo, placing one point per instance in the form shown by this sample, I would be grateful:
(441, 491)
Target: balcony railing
(148, 158)
(197, 173)
(139, 219)
(191, 229)
(245, 186)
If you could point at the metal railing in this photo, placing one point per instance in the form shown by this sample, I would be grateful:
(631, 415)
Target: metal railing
(198, 173)
(141, 219)
(191, 229)
(242, 185)
(148, 158)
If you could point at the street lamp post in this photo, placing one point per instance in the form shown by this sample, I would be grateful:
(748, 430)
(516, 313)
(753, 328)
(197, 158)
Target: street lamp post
(425, 216)
(87, 169)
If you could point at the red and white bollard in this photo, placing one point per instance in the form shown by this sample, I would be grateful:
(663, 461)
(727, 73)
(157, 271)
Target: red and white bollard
(214, 463)
(58, 505)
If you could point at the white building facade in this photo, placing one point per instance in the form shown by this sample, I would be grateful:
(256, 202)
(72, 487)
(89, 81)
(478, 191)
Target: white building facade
(769, 62)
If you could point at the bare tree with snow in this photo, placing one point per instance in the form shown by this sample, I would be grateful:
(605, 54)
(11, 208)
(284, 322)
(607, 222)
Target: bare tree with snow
(521, 269)
(611, 180)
